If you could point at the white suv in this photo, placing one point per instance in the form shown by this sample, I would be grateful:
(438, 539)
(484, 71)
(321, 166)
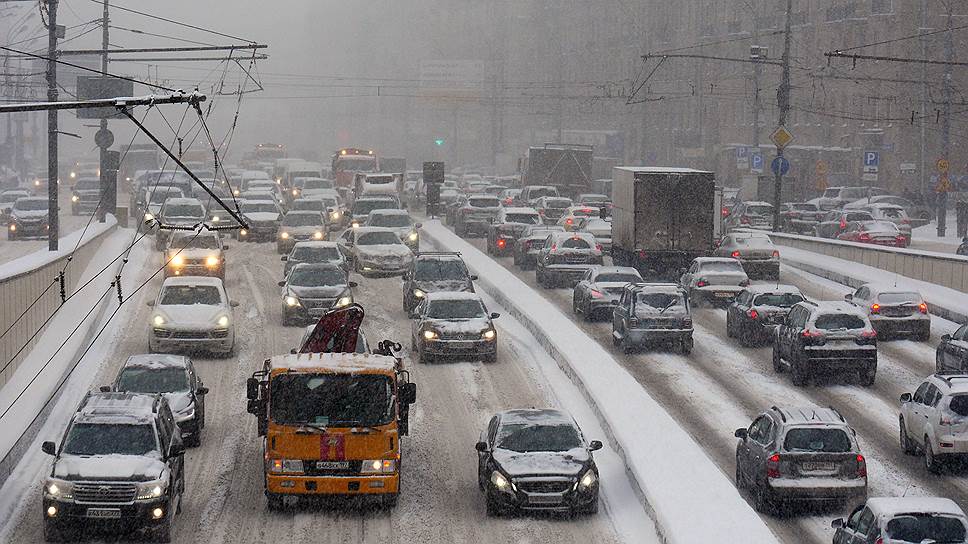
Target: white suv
(934, 420)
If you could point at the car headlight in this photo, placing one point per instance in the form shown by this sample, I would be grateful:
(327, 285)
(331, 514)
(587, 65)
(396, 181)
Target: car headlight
(335, 215)
(284, 235)
(149, 217)
(318, 235)
(216, 219)
(243, 232)
(177, 260)
(292, 301)
(74, 198)
(37, 182)
(13, 227)
(295, 192)
(344, 301)
(588, 480)
(58, 489)
(356, 224)
(223, 321)
(378, 466)
(151, 490)
(413, 236)
(73, 175)
(286, 465)
(430, 335)
(500, 482)
(211, 261)
(417, 293)
(158, 320)
(236, 192)
(489, 334)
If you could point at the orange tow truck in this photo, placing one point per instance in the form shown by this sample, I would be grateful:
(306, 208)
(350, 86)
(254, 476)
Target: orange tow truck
(332, 418)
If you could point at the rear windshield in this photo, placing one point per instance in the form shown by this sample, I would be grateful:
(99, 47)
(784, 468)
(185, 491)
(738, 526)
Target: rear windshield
(575, 243)
(651, 303)
(893, 213)
(899, 298)
(721, 266)
(484, 202)
(753, 242)
(379, 180)
(959, 405)
(759, 210)
(780, 300)
(559, 203)
(833, 322)
(618, 278)
(526, 218)
(302, 220)
(859, 216)
(542, 191)
(926, 528)
(817, 440)
(153, 380)
(315, 254)
(805, 207)
(310, 184)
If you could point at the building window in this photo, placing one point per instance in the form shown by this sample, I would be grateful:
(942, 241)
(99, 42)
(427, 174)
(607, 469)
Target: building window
(881, 7)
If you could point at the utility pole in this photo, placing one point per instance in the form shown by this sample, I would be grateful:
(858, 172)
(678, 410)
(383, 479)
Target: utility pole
(946, 123)
(103, 134)
(922, 159)
(52, 176)
(783, 101)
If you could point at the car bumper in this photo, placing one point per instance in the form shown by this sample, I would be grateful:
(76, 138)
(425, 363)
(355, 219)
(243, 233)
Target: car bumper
(171, 344)
(459, 347)
(30, 229)
(549, 502)
(717, 292)
(646, 336)
(571, 272)
(833, 358)
(817, 488)
(195, 270)
(307, 315)
(130, 517)
(289, 484)
(951, 444)
(902, 325)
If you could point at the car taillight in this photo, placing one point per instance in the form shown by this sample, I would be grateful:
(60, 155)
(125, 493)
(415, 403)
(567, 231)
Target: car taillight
(864, 237)
(869, 333)
(725, 211)
(753, 314)
(702, 282)
(843, 224)
(598, 247)
(880, 540)
(776, 253)
(875, 308)
(812, 337)
(945, 420)
(861, 466)
(745, 220)
(923, 308)
(642, 253)
(905, 221)
(501, 243)
(773, 466)
(900, 240)
(508, 201)
(734, 254)
(596, 293)
(554, 247)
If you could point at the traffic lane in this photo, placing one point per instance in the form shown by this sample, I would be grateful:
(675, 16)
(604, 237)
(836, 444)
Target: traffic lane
(440, 501)
(10, 250)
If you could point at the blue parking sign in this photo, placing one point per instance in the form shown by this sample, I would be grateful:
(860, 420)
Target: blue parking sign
(871, 158)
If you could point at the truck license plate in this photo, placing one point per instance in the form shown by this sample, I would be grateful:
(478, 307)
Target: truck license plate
(332, 465)
(104, 513)
(720, 294)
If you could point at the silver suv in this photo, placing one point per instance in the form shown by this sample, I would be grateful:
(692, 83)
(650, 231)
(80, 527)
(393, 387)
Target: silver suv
(934, 420)
(808, 454)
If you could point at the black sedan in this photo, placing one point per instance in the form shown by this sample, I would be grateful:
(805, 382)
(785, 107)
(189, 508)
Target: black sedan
(311, 290)
(601, 287)
(952, 354)
(757, 310)
(537, 460)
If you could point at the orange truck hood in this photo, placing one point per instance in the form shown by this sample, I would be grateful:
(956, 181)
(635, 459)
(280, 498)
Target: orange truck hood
(334, 445)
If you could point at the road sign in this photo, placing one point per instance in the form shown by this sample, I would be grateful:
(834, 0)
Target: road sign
(944, 184)
(780, 166)
(756, 163)
(742, 158)
(943, 166)
(781, 137)
(742, 152)
(872, 158)
(908, 167)
(869, 176)
(821, 168)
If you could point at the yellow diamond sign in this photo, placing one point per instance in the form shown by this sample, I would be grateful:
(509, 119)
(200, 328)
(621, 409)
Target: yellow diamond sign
(781, 137)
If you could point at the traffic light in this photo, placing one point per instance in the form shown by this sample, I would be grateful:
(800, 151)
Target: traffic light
(439, 142)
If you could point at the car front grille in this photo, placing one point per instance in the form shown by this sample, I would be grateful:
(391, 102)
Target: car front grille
(464, 336)
(104, 492)
(544, 486)
(190, 335)
(311, 303)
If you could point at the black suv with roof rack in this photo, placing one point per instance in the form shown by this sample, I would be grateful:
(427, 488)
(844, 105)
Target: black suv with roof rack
(819, 338)
(802, 454)
(432, 272)
(120, 464)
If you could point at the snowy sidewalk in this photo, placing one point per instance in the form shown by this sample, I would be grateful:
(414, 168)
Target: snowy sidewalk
(691, 500)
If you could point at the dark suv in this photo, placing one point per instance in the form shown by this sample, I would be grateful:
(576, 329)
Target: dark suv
(120, 464)
(566, 257)
(475, 214)
(649, 313)
(804, 454)
(433, 272)
(819, 338)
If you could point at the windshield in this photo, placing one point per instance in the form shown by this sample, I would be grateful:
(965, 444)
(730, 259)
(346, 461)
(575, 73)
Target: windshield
(184, 210)
(200, 242)
(805, 207)
(378, 238)
(87, 185)
(310, 184)
(651, 303)
(259, 207)
(557, 203)
(832, 193)
(308, 205)
(542, 191)
(191, 294)
(832, 322)
(721, 266)
(759, 210)
(455, 309)
(526, 218)
(524, 437)
(439, 270)
(331, 400)
(893, 213)
(618, 278)
(575, 243)
(302, 220)
(858, 216)
(390, 221)
(779, 300)
(919, 528)
(356, 165)
(153, 380)
(315, 254)
(105, 439)
(817, 439)
(364, 207)
(161, 195)
(32, 204)
(317, 277)
(378, 180)
(899, 298)
(484, 202)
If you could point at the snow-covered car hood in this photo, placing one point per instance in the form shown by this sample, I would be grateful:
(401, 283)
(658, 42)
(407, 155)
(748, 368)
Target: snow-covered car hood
(179, 400)
(383, 250)
(141, 468)
(29, 214)
(303, 231)
(192, 315)
(194, 253)
(542, 463)
(443, 286)
(325, 291)
(262, 216)
(462, 326)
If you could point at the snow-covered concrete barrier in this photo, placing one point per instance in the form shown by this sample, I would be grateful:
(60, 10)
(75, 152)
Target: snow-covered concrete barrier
(688, 497)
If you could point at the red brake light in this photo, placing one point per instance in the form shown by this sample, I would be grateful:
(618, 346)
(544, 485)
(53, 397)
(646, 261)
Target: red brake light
(554, 247)
(725, 211)
(598, 247)
(596, 294)
(501, 242)
(861, 466)
(923, 308)
(807, 333)
(642, 253)
(864, 237)
(871, 333)
(875, 308)
(843, 224)
(569, 221)
(753, 314)
(735, 254)
(773, 466)
(745, 220)
(776, 253)
(702, 282)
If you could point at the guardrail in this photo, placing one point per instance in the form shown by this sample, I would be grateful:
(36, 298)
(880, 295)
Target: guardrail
(29, 286)
(942, 269)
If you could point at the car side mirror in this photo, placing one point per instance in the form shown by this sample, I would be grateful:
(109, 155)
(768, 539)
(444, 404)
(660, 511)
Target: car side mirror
(837, 523)
(252, 389)
(201, 391)
(353, 284)
(418, 226)
(284, 258)
(225, 247)
(176, 449)
(105, 388)
(405, 276)
(473, 277)
(848, 297)
(480, 446)
(495, 315)
(945, 337)
(234, 303)
(282, 283)
(408, 393)
(740, 433)
(49, 448)
(595, 445)
(905, 397)
(150, 303)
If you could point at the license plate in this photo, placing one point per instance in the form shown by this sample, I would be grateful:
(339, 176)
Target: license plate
(462, 345)
(817, 467)
(723, 295)
(332, 465)
(544, 499)
(104, 513)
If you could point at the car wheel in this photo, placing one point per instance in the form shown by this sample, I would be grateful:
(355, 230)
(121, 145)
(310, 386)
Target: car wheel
(762, 501)
(694, 299)
(685, 346)
(777, 362)
(51, 533)
(627, 346)
(729, 326)
(907, 446)
(745, 338)
(274, 501)
(938, 365)
(867, 377)
(574, 304)
(797, 372)
(931, 462)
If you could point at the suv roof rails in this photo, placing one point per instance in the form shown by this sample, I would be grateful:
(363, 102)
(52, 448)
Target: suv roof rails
(777, 410)
(419, 253)
(836, 411)
(949, 375)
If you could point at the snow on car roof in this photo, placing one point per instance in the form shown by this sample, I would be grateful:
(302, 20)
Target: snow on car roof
(156, 361)
(761, 288)
(758, 203)
(139, 407)
(614, 270)
(390, 212)
(313, 243)
(708, 260)
(548, 416)
(800, 415)
(531, 211)
(881, 288)
(889, 507)
(839, 307)
(334, 362)
(452, 295)
(658, 287)
(192, 280)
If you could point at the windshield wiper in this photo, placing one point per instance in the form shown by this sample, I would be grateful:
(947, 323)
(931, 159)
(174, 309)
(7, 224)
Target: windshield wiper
(304, 428)
(667, 306)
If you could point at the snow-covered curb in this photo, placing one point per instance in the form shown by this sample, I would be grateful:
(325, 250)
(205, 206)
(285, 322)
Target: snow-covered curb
(686, 494)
